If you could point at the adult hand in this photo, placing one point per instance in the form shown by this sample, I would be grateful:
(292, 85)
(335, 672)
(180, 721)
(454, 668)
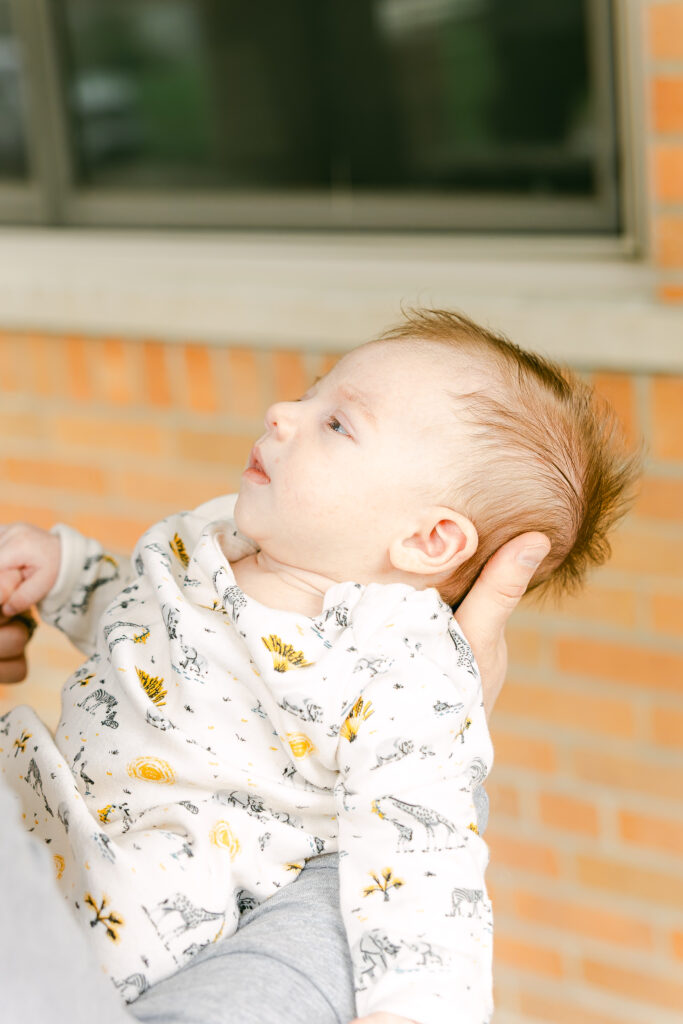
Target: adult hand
(483, 614)
(15, 634)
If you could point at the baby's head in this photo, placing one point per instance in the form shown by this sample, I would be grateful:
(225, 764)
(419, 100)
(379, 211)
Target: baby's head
(422, 452)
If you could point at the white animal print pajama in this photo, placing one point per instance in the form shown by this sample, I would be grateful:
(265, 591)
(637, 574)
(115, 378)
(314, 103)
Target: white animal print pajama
(211, 744)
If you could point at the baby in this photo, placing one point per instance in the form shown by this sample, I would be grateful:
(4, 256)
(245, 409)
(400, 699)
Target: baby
(278, 674)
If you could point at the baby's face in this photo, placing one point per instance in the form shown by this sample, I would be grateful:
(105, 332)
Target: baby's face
(351, 462)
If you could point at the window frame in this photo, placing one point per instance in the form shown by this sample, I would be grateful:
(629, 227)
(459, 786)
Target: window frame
(51, 196)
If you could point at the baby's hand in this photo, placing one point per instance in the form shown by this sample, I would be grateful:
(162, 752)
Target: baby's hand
(382, 1018)
(29, 565)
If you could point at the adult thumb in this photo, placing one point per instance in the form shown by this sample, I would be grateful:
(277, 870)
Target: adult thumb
(501, 584)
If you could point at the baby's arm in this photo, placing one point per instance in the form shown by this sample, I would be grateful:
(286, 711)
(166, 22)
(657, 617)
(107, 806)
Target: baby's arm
(70, 577)
(418, 919)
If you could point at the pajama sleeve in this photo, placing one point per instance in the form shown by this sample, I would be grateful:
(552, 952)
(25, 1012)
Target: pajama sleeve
(412, 752)
(90, 578)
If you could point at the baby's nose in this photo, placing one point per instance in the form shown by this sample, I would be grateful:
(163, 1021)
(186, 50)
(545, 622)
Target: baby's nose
(280, 416)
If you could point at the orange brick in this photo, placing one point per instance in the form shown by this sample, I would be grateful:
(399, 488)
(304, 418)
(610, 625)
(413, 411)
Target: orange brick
(9, 365)
(44, 361)
(21, 425)
(667, 613)
(200, 393)
(204, 446)
(39, 515)
(139, 439)
(642, 548)
(584, 918)
(670, 292)
(669, 241)
(245, 392)
(657, 833)
(619, 390)
(668, 172)
(175, 490)
(630, 983)
(156, 387)
(638, 774)
(666, 31)
(660, 498)
(113, 370)
(504, 800)
(648, 885)
(79, 381)
(524, 646)
(55, 473)
(604, 715)
(567, 812)
(622, 663)
(667, 416)
(291, 378)
(518, 751)
(527, 956)
(616, 606)
(667, 726)
(667, 103)
(568, 1010)
(522, 854)
(115, 532)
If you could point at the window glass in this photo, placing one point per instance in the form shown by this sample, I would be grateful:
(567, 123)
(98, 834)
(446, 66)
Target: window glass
(465, 98)
(13, 162)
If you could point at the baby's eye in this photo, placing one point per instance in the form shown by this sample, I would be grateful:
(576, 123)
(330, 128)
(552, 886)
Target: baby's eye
(333, 423)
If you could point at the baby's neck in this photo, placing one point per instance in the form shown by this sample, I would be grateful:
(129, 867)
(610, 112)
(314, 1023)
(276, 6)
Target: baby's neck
(281, 587)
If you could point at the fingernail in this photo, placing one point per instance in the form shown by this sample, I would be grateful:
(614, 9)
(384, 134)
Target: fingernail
(532, 557)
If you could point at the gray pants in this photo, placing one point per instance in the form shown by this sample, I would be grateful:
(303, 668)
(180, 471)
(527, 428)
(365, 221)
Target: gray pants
(287, 963)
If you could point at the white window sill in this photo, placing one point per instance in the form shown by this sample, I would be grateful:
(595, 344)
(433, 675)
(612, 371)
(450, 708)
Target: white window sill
(579, 301)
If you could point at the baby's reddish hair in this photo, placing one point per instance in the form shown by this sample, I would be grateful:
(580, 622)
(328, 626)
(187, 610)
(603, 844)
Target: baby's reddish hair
(546, 454)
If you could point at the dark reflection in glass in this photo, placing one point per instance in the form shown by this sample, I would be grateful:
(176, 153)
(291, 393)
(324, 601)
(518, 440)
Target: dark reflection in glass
(13, 162)
(462, 96)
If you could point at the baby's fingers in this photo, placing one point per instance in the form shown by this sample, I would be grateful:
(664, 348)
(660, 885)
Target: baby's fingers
(32, 590)
(9, 581)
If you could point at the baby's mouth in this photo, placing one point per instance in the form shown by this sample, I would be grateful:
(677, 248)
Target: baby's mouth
(255, 467)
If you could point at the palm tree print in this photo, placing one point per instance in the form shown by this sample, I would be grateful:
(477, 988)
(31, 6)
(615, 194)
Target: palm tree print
(386, 883)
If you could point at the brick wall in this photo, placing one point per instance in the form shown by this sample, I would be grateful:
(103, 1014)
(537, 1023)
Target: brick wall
(663, 44)
(587, 791)
(586, 830)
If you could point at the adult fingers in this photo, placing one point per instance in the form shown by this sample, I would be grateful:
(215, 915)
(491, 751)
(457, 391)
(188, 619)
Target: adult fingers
(500, 585)
(484, 612)
(14, 636)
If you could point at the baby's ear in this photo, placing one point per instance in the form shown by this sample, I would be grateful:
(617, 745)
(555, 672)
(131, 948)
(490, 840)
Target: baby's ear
(441, 543)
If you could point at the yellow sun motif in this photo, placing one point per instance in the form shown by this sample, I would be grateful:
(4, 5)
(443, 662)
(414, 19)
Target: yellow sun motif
(152, 769)
(141, 638)
(222, 835)
(179, 550)
(284, 655)
(300, 744)
(152, 685)
(59, 864)
(473, 828)
(294, 866)
(360, 712)
(104, 812)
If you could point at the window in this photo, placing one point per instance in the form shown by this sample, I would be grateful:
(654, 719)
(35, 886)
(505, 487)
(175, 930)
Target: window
(379, 114)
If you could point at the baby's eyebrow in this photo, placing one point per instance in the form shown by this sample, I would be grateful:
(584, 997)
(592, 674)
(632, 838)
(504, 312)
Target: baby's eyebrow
(356, 397)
